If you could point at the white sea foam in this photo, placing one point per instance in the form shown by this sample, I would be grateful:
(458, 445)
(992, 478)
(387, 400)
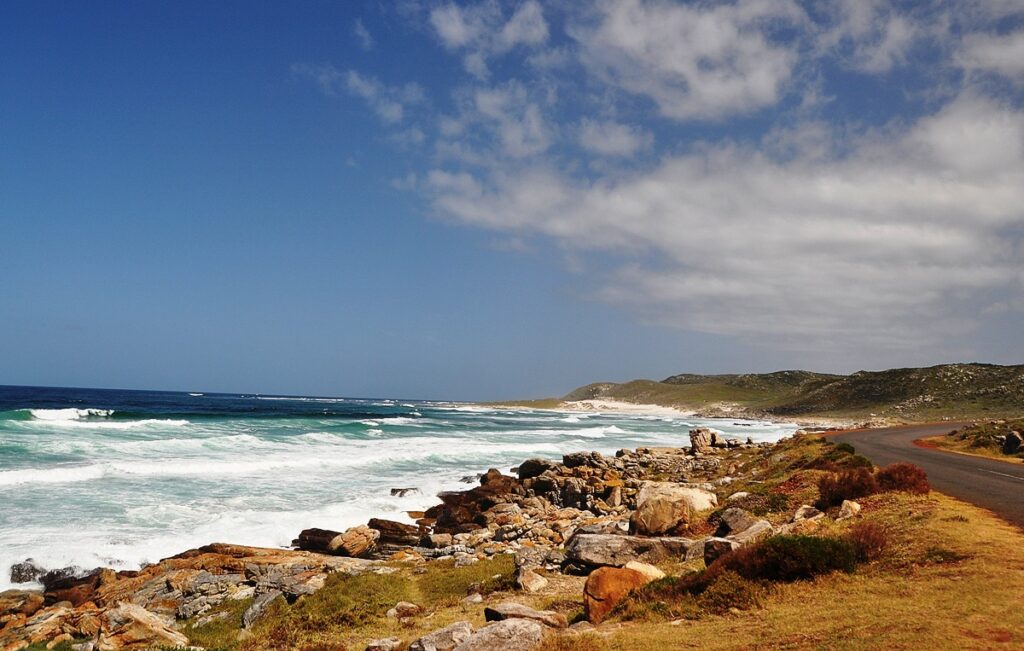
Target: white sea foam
(69, 414)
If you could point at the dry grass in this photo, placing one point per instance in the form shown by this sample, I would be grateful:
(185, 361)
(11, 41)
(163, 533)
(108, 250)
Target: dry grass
(952, 578)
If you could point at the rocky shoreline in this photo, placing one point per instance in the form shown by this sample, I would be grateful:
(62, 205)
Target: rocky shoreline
(608, 517)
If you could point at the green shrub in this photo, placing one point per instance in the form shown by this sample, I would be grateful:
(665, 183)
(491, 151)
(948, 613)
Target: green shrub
(788, 558)
(833, 488)
(730, 590)
(845, 447)
(905, 477)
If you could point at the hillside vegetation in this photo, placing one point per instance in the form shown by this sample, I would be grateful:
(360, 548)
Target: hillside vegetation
(947, 391)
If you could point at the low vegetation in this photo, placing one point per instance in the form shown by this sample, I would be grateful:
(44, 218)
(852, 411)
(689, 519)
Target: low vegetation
(948, 391)
(991, 438)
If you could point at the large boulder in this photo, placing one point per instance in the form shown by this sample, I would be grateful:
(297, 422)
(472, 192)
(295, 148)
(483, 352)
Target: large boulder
(663, 507)
(535, 467)
(592, 550)
(355, 542)
(507, 635)
(700, 440)
(26, 572)
(511, 610)
(445, 639)
(734, 520)
(395, 533)
(606, 587)
(129, 626)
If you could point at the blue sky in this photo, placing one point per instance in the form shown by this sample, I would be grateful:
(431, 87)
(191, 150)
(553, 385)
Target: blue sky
(505, 199)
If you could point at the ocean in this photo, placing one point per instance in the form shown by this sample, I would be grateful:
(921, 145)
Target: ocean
(92, 477)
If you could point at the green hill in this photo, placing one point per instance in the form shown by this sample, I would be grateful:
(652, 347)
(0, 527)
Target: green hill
(948, 390)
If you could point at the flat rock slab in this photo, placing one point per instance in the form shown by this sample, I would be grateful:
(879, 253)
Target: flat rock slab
(507, 635)
(616, 551)
(510, 610)
(445, 639)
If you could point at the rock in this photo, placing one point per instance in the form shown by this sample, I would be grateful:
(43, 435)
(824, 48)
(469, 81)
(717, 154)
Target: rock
(807, 512)
(404, 609)
(26, 572)
(474, 598)
(529, 581)
(606, 587)
(356, 542)
(506, 635)
(1013, 443)
(650, 571)
(715, 548)
(437, 541)
(759, 530)
(664, 506)
(259, 607)
(603, 549)
(402, 492)
(445, 639)
(395, 533)
(734, 521)
(535, 467)
(131, 626)
(384, 644)
(512, 610)
(700, 440)
(737, 496)
(19, 603)
(847, 510)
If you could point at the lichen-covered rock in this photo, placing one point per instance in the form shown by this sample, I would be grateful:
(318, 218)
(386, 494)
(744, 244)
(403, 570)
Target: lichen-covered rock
(650, 571)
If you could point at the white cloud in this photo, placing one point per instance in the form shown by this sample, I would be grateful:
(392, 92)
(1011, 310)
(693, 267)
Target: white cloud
(482, 31)
(695, 61)
(869, 35)
(612, 138)
(1002, 54)
(363, 35)
(887, 245)
(388, 102)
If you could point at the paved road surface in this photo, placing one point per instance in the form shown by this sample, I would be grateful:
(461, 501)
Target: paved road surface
(994, 485)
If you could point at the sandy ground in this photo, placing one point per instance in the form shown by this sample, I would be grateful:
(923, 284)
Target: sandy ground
(619, 407)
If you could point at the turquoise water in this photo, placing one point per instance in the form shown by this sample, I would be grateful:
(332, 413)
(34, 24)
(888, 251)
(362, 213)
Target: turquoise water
(95, 477)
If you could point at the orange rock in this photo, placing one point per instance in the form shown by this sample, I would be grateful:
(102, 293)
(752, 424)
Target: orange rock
(607, 586)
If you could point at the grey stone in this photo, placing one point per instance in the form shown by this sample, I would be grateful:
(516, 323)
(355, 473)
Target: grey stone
(511, 610)
(445, 639)
(605, 549)
(259, 607)
(507, 635)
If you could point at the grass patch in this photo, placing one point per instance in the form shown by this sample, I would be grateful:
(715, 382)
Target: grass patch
(219, 633)
(444, 583)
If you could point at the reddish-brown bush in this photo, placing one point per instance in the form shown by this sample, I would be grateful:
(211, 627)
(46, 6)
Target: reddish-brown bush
(904, 477)
(869, 540)
(847, 485)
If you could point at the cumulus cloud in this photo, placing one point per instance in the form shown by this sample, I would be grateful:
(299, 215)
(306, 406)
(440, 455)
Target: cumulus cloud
(701, 61)
(1002, 54)
(883, 245)
(609, 138)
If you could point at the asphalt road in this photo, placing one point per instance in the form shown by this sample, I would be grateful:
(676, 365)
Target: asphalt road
(994, 485)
